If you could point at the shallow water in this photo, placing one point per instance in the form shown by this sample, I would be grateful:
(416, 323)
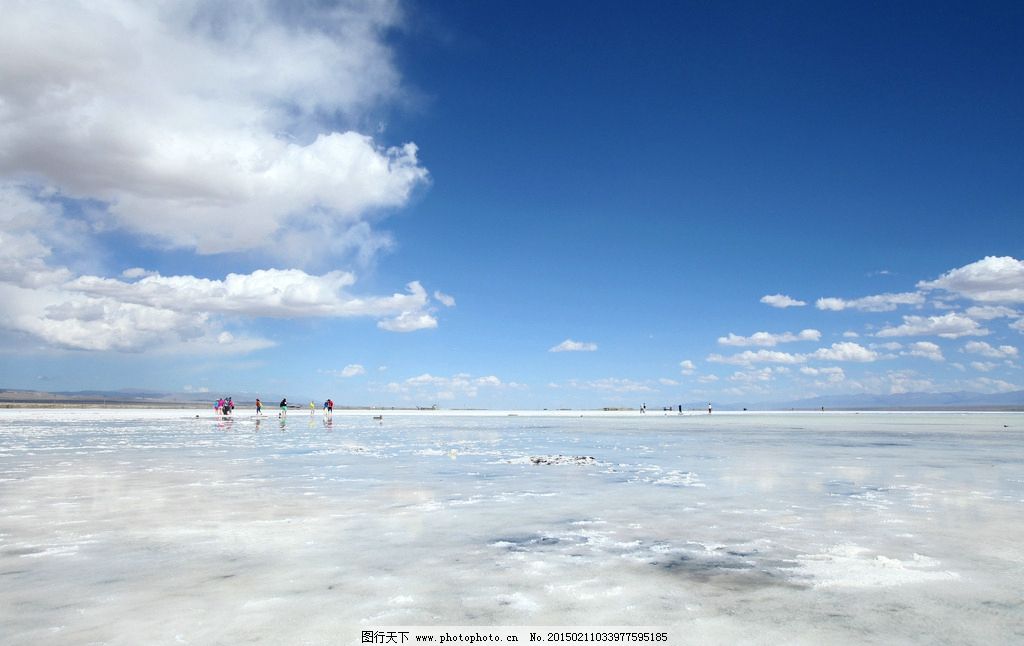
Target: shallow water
(129, 527)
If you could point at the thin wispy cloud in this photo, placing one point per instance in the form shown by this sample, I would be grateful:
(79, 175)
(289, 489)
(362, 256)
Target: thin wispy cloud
(574, 346)
(445, 299)
(831, 375)
(749, 357)
(876, 303)
(611, 385)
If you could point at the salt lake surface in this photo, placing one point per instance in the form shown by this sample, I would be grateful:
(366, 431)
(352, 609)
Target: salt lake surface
(129, 527)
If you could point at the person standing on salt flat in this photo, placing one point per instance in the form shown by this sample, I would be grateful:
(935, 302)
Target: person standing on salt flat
(312, 408)
(284, 408)
(259, 406)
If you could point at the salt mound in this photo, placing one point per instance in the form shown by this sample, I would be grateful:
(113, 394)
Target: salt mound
(579, 460)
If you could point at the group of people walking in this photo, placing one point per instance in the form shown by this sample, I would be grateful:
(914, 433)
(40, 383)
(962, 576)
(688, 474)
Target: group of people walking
(328, 407)
(226, 406)
(643, 408)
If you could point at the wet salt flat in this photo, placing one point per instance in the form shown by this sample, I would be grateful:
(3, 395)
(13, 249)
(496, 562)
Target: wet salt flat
(128, 527)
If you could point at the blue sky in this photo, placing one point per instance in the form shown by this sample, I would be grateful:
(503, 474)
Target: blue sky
(530, 205)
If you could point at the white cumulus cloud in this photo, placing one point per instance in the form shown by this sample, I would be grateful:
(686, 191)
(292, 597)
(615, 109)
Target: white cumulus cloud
(446, 388)
(353, 370)
(204, 125)
(992, 279)
(926, 350)
(948, 326)
(209, 127)
(279, 293)
(73, 321)
(990, 312)
(146, 311)
(687, 367)
(984, 349)
(574, 346)
(767, 339)
(408, 322)
(845, 351)
(781, 301)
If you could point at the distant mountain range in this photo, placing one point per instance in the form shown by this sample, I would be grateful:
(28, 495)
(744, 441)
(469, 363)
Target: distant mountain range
(903, 401)
(138, 398)
(112, 397)
(134, 396)
(962, 399)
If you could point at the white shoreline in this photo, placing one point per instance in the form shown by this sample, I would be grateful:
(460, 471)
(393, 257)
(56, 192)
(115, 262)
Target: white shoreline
(300, 413)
